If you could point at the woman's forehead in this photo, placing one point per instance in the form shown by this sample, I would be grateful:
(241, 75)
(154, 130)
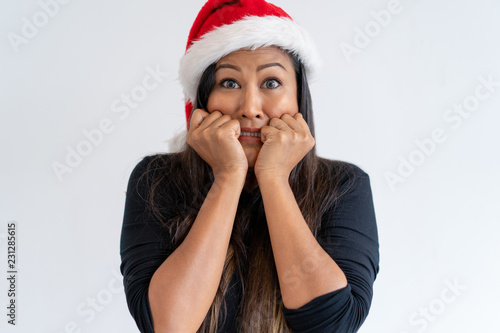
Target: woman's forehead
(269, 53)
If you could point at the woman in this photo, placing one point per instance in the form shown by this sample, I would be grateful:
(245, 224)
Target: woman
(247, 229)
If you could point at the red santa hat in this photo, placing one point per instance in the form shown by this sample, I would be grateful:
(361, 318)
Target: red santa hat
(224, 26)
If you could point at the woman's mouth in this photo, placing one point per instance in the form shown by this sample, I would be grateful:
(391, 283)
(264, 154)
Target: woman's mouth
(245, 133)
(250, 135)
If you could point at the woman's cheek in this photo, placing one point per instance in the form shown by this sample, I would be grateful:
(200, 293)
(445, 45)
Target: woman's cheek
(212, 101)
(284, 105)
(216, 102)
(284, 109)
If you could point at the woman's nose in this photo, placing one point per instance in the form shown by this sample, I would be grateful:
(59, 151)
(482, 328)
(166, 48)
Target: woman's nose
(251, 103)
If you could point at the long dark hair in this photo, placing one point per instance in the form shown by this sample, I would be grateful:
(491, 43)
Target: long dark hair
(179, 183)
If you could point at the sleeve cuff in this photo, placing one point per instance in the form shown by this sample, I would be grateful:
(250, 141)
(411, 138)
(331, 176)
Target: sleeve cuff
(320, 313)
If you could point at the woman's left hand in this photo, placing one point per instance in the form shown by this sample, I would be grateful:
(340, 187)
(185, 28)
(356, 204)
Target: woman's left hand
(286, 140)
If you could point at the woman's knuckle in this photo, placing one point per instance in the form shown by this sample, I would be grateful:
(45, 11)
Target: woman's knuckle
(219, 135)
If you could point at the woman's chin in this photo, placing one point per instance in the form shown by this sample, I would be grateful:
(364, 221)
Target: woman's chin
(251, 154)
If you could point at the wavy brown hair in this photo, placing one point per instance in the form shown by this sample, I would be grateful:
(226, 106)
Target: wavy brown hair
(178, 185)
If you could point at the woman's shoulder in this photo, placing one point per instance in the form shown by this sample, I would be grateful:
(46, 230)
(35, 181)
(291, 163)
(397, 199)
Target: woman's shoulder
(154, 162)
(341, 169)
(157, 158)
(150, 172)
(342, 177)
(152, 167)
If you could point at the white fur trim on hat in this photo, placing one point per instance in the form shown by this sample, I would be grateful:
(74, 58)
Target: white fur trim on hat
(251, 32)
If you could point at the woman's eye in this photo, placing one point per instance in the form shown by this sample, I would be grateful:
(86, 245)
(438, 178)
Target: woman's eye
(272, 84)
(229, 84)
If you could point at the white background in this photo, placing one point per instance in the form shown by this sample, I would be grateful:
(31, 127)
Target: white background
(437, 228)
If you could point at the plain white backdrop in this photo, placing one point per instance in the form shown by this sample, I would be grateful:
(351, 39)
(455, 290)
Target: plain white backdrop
(402, 95)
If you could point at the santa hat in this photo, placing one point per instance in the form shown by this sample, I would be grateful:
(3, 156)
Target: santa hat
(222, 27)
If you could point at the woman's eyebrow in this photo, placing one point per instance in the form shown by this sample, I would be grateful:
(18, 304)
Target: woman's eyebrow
(236, 68)
(261, 67)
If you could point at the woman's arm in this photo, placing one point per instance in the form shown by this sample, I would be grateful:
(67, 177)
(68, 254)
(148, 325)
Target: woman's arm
(349, 235)
(285, 142)
(183, 288)
(305, 270)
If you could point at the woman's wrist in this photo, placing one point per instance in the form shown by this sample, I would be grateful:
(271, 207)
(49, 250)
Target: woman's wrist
(230, 177)
(272, 179)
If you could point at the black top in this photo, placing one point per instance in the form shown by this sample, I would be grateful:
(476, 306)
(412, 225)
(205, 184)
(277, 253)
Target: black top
(348, 234)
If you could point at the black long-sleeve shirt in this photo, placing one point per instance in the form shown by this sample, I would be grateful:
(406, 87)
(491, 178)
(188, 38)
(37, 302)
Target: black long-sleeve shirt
(348, 234)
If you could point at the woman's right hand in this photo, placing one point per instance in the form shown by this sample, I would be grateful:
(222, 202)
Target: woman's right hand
(214, 137)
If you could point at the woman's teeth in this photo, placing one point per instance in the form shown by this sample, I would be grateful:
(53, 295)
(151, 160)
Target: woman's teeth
(256, 134)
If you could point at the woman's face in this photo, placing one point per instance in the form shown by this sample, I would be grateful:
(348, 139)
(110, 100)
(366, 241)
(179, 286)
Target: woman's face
(253, 87)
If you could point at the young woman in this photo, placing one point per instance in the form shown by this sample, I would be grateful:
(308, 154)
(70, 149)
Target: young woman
(247, 229)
